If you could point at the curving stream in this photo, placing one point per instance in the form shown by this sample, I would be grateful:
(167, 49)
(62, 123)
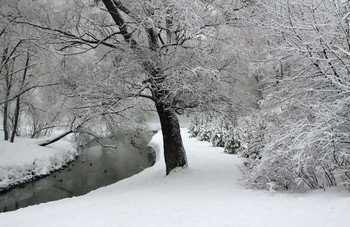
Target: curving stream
(120, 157)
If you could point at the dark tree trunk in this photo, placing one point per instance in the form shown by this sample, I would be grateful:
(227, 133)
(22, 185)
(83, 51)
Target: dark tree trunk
(5, 120)
(18, 101)
(6, 109)
(15, 126)
(174, 151)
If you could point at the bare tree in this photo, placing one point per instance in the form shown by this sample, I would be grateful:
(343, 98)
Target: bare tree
(18, 100)
(169, 52)
(8, 75)
(19, 75)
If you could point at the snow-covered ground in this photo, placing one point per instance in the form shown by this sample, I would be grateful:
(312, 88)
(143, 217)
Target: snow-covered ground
(208, 193)
(25, 159)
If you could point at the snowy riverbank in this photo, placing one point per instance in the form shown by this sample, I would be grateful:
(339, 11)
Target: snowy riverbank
(25, 160)
(208, 193)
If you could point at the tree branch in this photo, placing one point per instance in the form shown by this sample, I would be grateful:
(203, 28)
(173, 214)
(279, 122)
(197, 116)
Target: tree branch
(26, 90)
(76, 39)
(113, 7)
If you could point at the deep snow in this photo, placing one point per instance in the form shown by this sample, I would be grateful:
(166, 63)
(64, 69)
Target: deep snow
(208, 193)
(25, 159)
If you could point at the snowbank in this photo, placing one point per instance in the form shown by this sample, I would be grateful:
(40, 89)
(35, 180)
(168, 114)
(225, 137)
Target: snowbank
(25, 159)
(208, 193)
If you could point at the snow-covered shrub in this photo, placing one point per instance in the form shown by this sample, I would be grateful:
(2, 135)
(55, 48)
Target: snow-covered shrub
(194, 126)
(310, 152)
(218, 130)
(200, 127)
(234, 141)
(305, 136)
(254, 128)
(204, 134)
(218, 138)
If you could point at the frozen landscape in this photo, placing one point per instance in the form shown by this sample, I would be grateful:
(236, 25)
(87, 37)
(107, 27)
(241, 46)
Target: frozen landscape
(24, 160)
(263, 86)
(208, 193)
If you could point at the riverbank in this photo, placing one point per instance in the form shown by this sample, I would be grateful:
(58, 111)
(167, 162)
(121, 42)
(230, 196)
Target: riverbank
(25, 160)
(208, 193)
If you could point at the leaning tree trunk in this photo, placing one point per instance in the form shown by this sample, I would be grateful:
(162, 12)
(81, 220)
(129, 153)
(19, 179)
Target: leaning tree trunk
(174, 151)
(56, 138)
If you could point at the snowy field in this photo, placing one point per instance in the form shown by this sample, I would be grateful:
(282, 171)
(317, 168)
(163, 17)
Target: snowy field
(25, 159)
(208, 193)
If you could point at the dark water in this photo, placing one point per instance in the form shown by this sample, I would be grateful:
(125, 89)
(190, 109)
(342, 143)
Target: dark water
(97, 166)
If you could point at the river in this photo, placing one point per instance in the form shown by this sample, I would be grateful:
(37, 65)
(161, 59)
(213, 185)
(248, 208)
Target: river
(100, 163)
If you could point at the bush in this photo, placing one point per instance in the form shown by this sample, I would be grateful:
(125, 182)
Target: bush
(217, 130)
(311, 152)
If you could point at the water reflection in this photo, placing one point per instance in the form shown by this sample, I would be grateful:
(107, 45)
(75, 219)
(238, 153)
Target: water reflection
(97, 166)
